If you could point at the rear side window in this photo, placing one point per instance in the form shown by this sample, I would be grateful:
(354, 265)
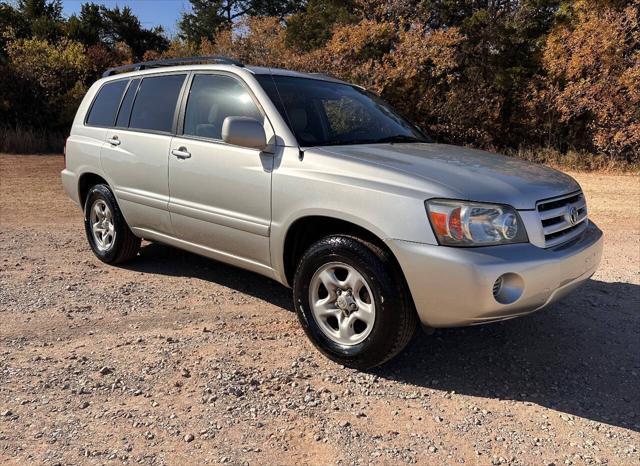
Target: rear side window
(155, 103)
(212, 99)
(105, 106)
(127, 104)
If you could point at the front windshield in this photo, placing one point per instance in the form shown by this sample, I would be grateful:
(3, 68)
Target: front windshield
(324, 113)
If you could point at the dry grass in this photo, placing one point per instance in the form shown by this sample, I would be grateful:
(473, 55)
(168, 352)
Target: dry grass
(21, 140)
(573, 160)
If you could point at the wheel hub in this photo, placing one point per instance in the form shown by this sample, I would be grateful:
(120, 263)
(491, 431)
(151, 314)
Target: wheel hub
(342, 303)
(346, 303)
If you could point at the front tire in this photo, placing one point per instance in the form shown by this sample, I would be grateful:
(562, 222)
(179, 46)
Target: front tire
(352, 302)
(107, 231)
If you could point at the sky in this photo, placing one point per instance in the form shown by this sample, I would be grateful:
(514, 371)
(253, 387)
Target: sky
(163, 13)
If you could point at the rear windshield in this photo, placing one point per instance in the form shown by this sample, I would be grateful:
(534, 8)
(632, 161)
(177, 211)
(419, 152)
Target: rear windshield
(323, 113)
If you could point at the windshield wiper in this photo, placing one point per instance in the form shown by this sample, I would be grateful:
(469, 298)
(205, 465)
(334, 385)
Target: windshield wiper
(389, 139)
(399, 138)
(349, 142)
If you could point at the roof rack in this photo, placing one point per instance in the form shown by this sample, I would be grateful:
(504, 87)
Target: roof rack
(170, 62)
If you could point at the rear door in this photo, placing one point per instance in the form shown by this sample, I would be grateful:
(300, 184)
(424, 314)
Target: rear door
(89, 131)
(221, 193)
(136, 152)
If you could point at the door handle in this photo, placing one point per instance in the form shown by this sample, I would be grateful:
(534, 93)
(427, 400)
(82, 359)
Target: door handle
(114, 141)
(181, 153)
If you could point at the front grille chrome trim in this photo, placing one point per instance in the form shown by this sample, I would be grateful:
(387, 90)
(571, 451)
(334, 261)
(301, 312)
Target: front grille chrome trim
(547, 214)
(564, 225)
(562, 218)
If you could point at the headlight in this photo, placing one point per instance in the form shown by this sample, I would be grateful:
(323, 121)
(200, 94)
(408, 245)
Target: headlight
(460, 223)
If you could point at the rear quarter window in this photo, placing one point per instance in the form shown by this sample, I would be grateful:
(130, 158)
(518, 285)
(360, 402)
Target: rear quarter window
(155, 103)
(105, 106)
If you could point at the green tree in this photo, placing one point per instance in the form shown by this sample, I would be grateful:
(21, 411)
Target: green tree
(208, 17)
(43, 17)
(500, 54)
(97, 24)
(124, 26)
(276, 8)
(203, 22)
(46, 82)
(312, 27)
(12, 25)
(31, 18)
(89, 26)
(47, 62)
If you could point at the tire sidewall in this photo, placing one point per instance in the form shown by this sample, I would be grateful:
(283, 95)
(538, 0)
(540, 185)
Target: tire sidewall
(356, 254)
(101, 191)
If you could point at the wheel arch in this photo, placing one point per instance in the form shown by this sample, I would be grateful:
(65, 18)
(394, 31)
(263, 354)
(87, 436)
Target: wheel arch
(308, 229)
(85, 182)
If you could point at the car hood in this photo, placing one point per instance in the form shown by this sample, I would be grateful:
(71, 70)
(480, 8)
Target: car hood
(476, 175)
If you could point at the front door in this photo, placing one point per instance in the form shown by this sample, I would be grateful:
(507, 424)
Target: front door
(220, 194)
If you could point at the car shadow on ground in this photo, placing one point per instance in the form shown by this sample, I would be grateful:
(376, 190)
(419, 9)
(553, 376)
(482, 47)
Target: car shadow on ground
(165, 260)
(580, 356)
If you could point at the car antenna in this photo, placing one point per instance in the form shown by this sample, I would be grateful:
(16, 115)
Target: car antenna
(300, 154)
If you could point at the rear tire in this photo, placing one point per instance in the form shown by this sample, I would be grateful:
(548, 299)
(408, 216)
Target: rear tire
(109, 236)
(352, 302)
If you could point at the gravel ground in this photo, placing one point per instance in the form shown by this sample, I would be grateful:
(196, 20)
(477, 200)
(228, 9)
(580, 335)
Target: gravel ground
(175, 358)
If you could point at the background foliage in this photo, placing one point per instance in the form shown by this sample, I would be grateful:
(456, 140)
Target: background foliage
(555, 79)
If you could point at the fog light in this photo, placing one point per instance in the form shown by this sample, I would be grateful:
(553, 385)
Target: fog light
(497, 286)
(508, 288)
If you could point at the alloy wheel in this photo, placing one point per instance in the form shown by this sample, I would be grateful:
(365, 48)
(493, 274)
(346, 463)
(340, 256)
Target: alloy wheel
(342, 303)
(102, 226)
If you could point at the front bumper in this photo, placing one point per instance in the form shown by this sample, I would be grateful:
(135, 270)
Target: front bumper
(454, 286)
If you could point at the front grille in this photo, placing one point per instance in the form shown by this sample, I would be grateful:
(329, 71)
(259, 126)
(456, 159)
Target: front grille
(562, 218)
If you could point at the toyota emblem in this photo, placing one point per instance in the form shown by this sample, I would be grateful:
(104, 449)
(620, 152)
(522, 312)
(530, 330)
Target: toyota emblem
(574, 215)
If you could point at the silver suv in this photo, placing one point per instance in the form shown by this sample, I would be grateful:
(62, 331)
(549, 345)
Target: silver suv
(322, 186)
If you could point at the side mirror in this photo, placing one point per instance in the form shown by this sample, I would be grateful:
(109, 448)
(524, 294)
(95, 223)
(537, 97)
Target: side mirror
(244, 131)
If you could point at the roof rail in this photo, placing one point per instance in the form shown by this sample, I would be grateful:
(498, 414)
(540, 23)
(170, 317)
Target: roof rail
(326, 75)
(170, 62)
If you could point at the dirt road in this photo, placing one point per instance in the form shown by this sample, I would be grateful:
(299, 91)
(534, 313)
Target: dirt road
(175, 358)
